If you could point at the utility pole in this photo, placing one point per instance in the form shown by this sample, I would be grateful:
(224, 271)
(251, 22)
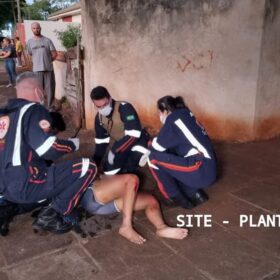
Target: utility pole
(19, 12)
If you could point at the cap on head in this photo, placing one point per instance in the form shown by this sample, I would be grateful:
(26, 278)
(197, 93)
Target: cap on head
(99, 92)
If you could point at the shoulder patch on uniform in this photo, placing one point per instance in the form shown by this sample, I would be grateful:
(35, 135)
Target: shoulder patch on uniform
(130, 117)
(4, 125)
(45, 125)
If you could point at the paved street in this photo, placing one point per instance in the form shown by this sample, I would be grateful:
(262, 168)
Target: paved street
(248, 185)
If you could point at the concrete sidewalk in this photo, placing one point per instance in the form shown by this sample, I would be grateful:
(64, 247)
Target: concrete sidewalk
(248, 185)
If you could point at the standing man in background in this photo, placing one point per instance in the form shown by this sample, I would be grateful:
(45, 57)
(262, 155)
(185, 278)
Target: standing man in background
(43, 53)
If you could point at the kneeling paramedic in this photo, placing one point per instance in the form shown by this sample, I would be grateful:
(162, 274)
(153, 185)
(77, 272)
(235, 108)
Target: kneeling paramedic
(26, 143)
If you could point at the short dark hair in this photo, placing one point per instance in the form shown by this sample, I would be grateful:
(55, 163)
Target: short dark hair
(26, 75)
(170, 103)
(99, 92)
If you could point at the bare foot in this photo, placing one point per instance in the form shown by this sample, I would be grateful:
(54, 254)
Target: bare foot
(174, 233)
(129, 233)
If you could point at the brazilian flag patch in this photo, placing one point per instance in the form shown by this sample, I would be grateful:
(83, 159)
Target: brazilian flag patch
(130, 117)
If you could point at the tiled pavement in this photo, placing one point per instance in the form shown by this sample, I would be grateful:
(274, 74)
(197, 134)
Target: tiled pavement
(248, 184)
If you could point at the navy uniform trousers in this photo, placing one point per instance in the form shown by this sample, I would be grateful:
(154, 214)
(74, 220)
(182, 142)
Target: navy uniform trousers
(26, 144)
(176, 175)
(63, 183)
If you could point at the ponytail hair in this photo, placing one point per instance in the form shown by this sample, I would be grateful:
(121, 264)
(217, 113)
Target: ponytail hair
(170, 103)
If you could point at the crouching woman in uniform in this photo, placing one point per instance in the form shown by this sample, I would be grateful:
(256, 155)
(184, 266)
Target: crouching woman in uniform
(181, 159)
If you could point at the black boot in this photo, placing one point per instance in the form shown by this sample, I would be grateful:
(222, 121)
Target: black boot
(49, 220)
(199, 197)
(7, 213)
(183, 201)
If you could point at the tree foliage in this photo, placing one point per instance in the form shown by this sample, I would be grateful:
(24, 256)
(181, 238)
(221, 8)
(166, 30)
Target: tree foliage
(8, 12)
(69, 38)
(38, 10)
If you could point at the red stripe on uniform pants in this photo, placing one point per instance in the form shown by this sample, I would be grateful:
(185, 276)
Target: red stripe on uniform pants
(125, 145)
(30, 156)
(178, 167)
(159, 183)
(37, 181)
(77, 171)
(81, 190)
(61, 147)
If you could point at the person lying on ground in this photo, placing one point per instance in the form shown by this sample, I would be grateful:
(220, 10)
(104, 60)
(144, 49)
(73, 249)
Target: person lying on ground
(118, 193)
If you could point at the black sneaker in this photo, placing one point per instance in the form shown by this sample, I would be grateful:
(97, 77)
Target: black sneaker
(199, 197)
(7, 213)
(184, 202)
(49, 220)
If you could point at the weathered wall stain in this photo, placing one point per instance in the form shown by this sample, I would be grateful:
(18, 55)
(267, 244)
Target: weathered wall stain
(139, 12)
(144, 49)
(217, 127)
(271, 8)
(268, 128)
(267, 110)
(197, 62)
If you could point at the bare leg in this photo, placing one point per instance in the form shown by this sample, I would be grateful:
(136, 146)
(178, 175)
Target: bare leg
(125, 187)
(147, 202)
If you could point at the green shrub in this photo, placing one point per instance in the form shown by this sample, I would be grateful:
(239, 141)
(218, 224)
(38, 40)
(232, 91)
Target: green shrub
(69, 37)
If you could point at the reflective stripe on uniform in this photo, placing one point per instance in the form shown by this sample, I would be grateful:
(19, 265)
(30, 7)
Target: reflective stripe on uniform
(133, 132)
(85, 166)
(102, 140)
(140, 149)
(45, 146)
(16, 153)
(157, 146)
(152, 165)
(192, 152)
(191, 138)
(112, 172)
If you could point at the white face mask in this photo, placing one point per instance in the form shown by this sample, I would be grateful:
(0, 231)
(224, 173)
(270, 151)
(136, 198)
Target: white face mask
(162, 118)
(106, 111)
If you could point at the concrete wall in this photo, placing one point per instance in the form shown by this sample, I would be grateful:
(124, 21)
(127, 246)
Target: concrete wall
(206, 51)
(267, 115)
(77, 18)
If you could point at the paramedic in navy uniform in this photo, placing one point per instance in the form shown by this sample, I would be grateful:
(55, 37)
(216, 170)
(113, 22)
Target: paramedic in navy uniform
(120, 141)
(26, 143)
(182, 159)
